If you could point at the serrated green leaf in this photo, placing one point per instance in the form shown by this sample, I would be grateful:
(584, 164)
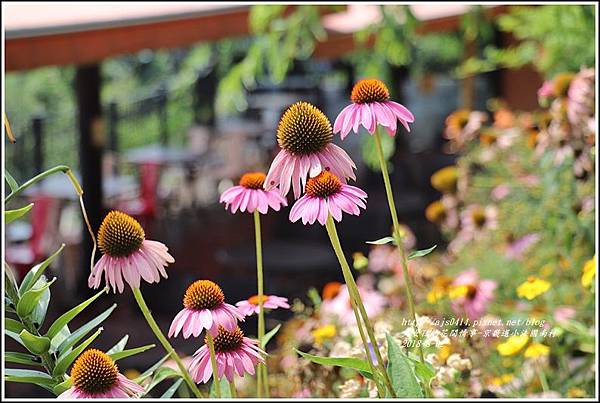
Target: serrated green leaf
(12, 183)
(36, 344)
(120, 346)
(402, 376)
(172, 389)
(269, 335)
(225, 392)
(85, 329)
(382, 241)
(65, 318)
(12, 215)
(63, 386)
(28, 376)
(64, 360)
(21, 358)
(346, 362)
(31, 298)
(36, 271)
(13, 325)
(420, 253)
(128, 353)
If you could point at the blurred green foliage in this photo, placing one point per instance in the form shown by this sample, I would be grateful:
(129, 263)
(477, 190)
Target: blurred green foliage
(554, 38)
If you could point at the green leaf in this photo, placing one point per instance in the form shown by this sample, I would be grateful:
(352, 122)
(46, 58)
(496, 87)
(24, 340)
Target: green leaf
(120, 346)
(161, 374)
(224, 386)
(12, 289)
(12, 215)
(401, 372)
(382, 241)
(63, 386)
(11, 181)
(39, 311)
(346, 362)
(21, 358)
(127, 353)
(424, 371)
(64, 360)
(59, 338)
(36, 344)
(14, 336)
(85, 329)
(36, 271)
(65, 318)
(147, 373)
(269, 336)
(31, 298)
(28, 376)
(172, 389)
(13, 325)
(420, 253)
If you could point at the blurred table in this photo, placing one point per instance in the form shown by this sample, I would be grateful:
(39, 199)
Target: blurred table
(160, 154)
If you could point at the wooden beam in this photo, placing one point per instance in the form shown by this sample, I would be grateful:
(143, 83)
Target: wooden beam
(85, 47)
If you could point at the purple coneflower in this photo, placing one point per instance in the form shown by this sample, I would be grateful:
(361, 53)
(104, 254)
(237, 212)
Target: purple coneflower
(204, 308)
(234, 353)
(96, 376)
(251, 305)
(127, 254)
(370, 106)
(326, 194)
(304, 135)
(470, 295)
(249, 195)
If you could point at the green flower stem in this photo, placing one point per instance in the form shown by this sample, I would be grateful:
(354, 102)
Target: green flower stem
(163, 340)
(543, 379)
(213, 363)
(398, 238)
(261, 373)
(232, 390)
(357, 304)
(60, 168)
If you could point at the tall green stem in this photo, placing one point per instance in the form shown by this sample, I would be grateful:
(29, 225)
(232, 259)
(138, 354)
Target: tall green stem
(357, 303)
(261, 373)
(232, 390)
(213, 363)
(163, 340)
(398, 238)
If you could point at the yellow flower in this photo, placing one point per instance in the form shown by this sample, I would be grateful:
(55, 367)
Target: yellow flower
(439, 288)
(576, 392)
(445, 180)
(536, 350)
(513, 345)
(502, 379)
(324, 333)
(589, 271)
(436, 212)
(463, 290)
(532, 288)
(444, 352)
(360, 261)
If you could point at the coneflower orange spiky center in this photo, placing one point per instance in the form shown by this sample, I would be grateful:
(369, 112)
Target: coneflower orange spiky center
(369, 90)
(228, 341)
(255, 299)
(203, 294)
(253, 180)
(323, 185)
(304, 129)
(94, 372)
(120, 235)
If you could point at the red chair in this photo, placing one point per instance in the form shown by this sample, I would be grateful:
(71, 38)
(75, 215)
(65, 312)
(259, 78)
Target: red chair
(23, 256)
